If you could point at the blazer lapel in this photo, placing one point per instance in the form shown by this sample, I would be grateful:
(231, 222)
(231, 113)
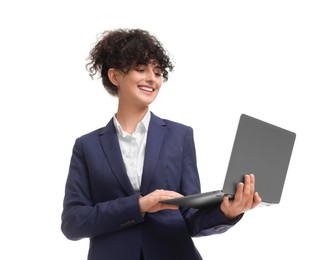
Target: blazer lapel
(155, 135)
(112, 150)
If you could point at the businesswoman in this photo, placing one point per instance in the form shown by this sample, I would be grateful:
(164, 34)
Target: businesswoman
(120, 172)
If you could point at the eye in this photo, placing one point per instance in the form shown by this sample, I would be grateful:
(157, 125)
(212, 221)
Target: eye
(158, 73)
(140, 68)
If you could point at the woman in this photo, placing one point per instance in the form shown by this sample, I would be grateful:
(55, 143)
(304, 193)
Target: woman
(119, 173)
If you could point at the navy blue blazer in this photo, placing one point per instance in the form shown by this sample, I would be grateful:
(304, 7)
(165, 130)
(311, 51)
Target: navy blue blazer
(100, 203)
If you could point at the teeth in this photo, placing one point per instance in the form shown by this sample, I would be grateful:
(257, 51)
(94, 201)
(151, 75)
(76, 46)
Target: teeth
(146, 89)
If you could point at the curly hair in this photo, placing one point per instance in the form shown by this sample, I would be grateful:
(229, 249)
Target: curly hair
(123, 49)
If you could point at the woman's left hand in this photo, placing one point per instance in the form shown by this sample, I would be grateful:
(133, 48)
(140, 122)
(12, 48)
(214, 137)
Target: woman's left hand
(246, 198)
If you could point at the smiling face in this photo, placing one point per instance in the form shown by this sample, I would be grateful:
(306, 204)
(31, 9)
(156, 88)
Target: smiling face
(139, 87)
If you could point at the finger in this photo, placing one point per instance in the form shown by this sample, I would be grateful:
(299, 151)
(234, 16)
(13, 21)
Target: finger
(252, 183)
(165, 197)
(247, 186)
(169, 193)
(174, 194)
(256, 201)
(226, 201)
(162, 206)
(168, 206)
(257, 198)
(239, 192)
(225, 205)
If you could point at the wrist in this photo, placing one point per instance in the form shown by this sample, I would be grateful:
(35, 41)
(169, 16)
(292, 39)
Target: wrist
(142, 205)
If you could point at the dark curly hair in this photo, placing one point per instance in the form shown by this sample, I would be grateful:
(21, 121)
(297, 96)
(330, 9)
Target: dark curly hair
(123, 49)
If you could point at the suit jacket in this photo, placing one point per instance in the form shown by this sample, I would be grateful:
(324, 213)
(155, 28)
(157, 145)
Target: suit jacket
(100, 203)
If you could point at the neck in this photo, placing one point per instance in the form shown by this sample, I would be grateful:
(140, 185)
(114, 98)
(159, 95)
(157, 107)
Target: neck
(129, 117)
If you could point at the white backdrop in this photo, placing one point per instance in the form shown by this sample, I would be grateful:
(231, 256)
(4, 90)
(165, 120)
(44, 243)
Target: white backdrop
(269, 59)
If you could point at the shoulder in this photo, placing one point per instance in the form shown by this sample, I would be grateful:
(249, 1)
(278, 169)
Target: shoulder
(92, 134)
(95, 134)
(169, 123)
(172, 127)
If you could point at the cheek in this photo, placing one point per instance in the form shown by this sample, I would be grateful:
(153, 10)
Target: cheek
(158, 83)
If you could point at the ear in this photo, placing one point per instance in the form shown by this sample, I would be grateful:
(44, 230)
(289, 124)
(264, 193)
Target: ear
(114, 76)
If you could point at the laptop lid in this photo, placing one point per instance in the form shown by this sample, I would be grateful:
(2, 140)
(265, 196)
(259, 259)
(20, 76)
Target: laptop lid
(259, 148)
(264, 150)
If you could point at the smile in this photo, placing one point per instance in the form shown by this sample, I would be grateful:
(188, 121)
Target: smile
(146, 88)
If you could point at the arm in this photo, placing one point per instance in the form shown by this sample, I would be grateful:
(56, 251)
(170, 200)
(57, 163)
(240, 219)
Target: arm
(81, 216)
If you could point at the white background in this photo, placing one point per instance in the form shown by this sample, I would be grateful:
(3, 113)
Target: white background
(269, 59)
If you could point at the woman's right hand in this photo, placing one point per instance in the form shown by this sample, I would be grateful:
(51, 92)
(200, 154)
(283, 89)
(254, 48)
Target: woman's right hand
(151, 202)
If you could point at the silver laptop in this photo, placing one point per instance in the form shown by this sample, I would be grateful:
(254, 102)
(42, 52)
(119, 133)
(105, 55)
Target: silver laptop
(259, 148)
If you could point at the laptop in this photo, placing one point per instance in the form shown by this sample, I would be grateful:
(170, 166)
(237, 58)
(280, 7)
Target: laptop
(260, 148)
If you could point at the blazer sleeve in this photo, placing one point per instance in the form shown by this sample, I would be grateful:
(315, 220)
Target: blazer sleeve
(80, 216)
(205, 221)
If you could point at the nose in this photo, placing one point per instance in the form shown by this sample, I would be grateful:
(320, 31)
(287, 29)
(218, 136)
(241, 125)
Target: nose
(150, 74)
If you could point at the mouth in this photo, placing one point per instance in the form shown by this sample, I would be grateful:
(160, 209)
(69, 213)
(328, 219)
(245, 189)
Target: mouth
(146, 89)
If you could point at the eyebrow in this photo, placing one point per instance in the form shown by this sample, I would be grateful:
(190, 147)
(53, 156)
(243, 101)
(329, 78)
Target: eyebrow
(154, 62)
